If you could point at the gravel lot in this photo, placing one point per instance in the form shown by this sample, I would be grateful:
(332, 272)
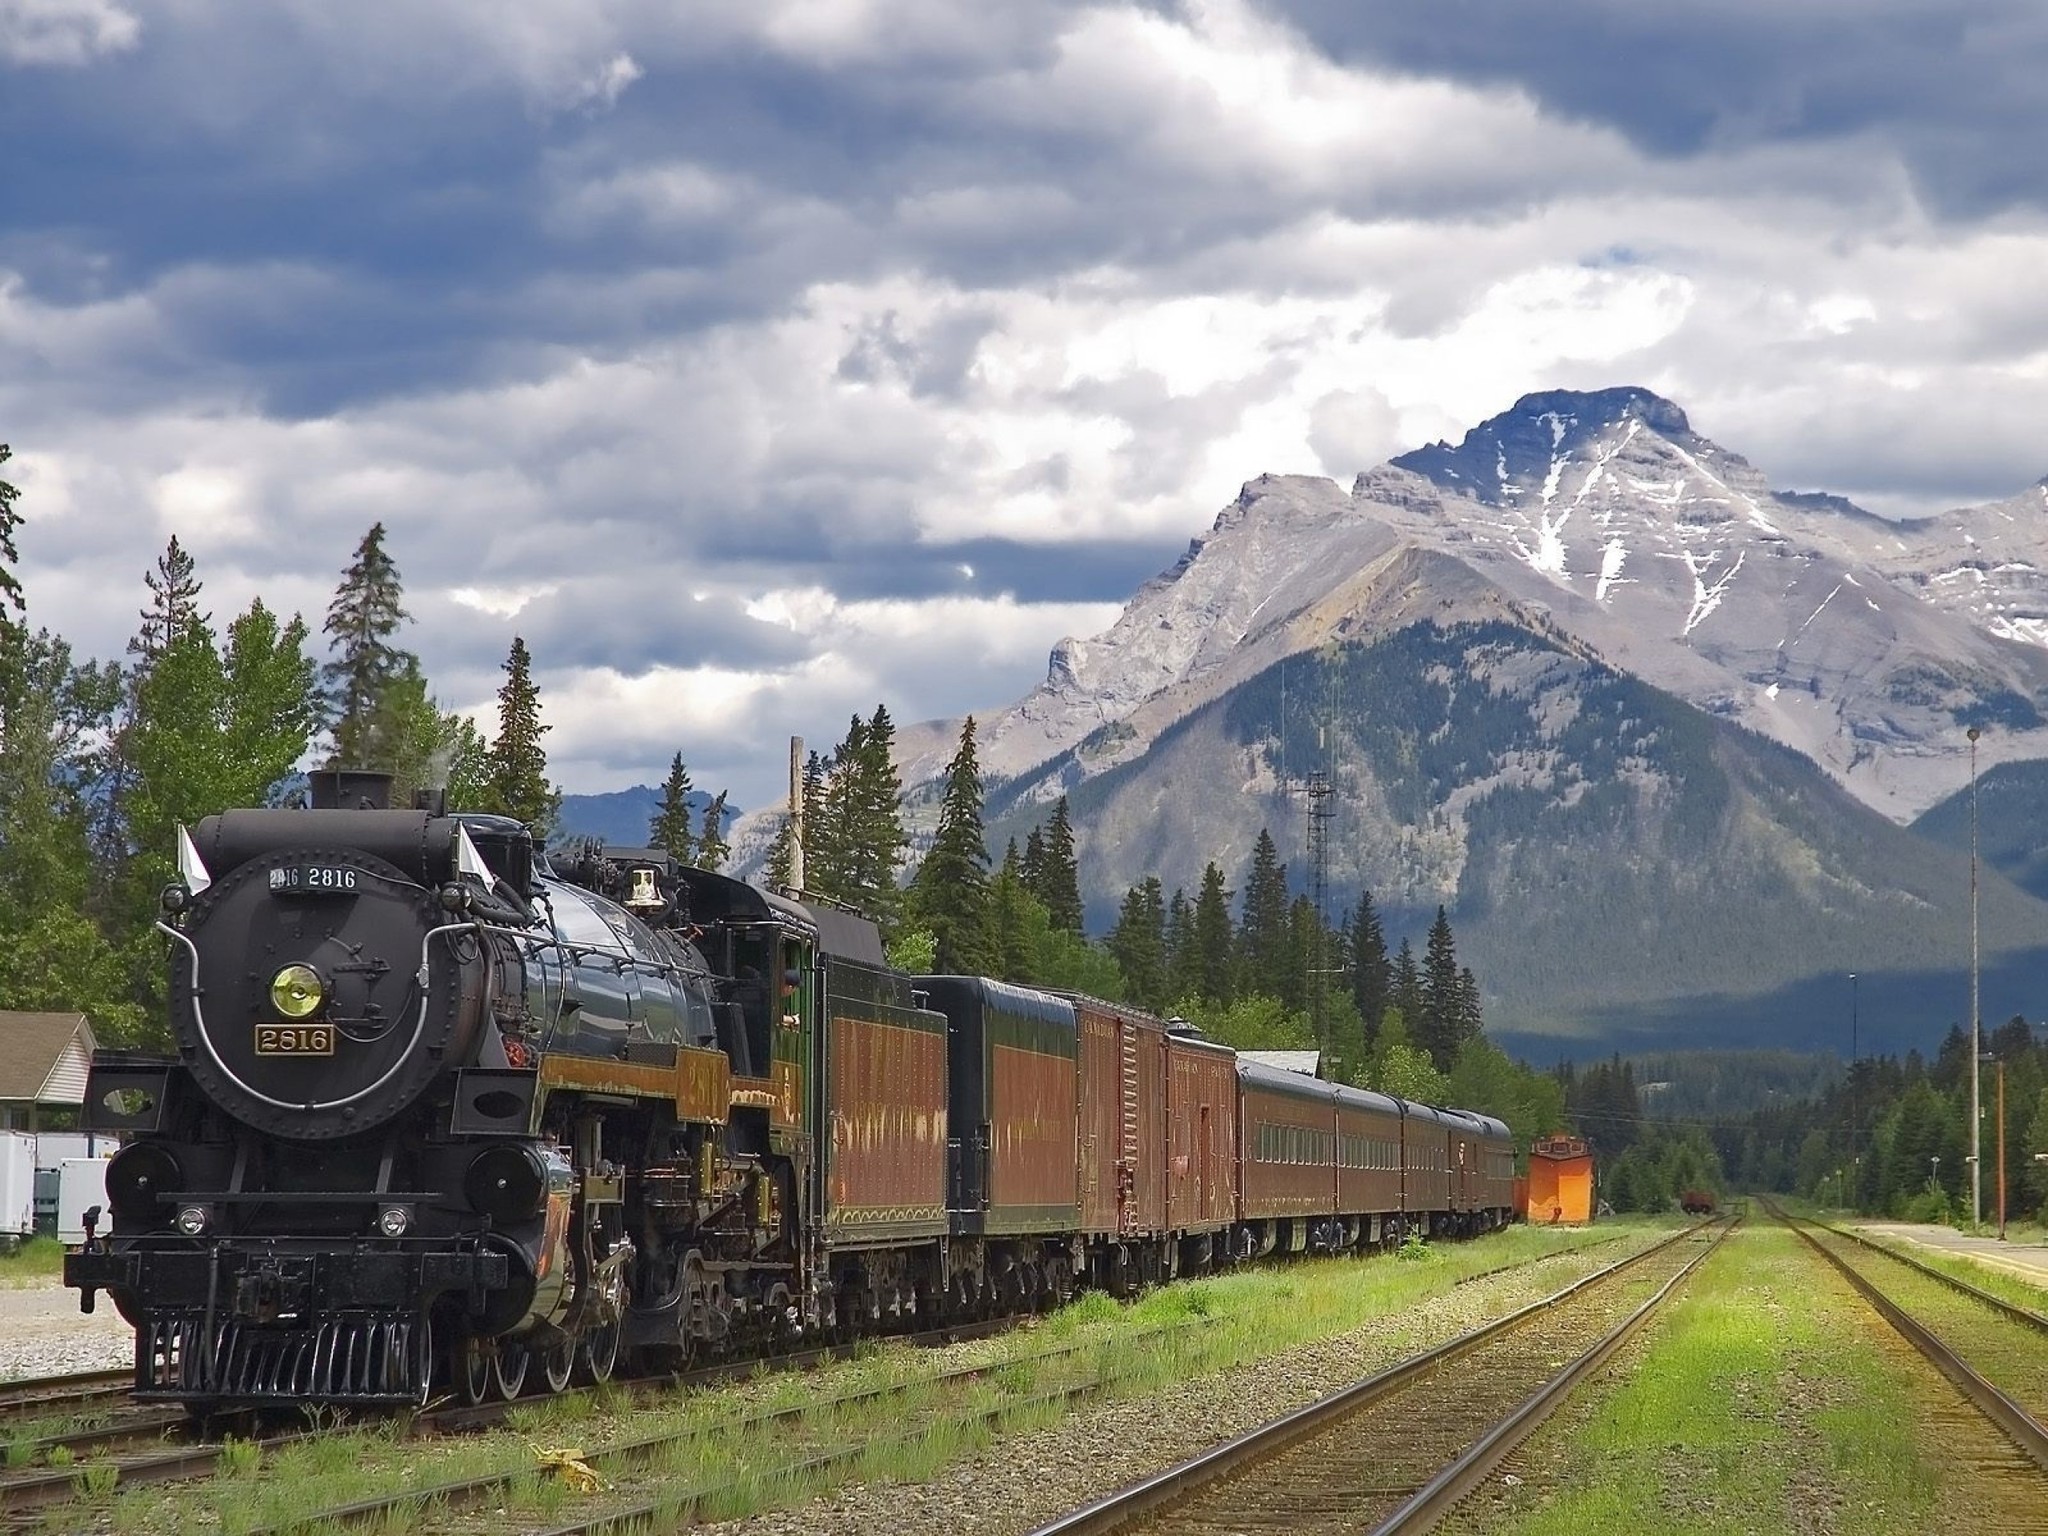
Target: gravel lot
(42, 1333)
(1031, 1479)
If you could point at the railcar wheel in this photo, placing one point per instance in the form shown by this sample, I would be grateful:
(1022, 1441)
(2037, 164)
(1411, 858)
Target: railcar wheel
(508, 1369)
(474, 1360)
(558, 1363)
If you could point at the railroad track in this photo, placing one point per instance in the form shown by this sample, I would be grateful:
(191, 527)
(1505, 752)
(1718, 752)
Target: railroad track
(1390, 1455)
(131, 1453)
(47, 1396)
(1978, 1326)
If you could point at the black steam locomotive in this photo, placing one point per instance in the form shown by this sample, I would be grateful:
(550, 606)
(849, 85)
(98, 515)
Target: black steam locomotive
(444, 1117)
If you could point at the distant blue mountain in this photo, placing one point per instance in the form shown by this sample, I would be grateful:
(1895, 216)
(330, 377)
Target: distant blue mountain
(621, 818)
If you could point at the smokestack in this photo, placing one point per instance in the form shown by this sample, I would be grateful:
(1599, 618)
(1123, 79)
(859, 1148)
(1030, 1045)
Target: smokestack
(796, 813)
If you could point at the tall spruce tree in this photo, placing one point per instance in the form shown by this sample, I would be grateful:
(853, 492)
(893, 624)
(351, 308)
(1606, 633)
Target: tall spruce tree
(1371, 976)
(1183, 970)
(875, 808)
(951, 889)
(1033, 866)
(517, 783)
(712, 848)
(174, 588)
(859, 806)
(11, 604)
(367, 610)
(1009, 919)
(1214, 962)
(669, 827)
(1138, 945)
(1471, 1016)
(1059, 876)
(1262, 937)
(1440, 1032)
(1405, 992)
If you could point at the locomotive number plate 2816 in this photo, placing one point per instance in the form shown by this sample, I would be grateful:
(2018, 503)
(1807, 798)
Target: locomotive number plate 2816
(294, 1039)
(314, 880)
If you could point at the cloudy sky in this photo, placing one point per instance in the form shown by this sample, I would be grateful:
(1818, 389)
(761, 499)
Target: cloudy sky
(762, 360)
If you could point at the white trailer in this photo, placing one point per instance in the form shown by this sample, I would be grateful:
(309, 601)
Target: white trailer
(81, 1185)
(17, 1188)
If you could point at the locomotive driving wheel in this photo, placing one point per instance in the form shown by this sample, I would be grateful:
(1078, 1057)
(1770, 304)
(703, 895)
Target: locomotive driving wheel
(598, 1353)
(558, 1362)
(508, 1369)
(475, 1361)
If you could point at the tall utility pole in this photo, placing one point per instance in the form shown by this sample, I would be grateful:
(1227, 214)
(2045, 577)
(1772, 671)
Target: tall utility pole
(1319, 813)
(1976, 1042)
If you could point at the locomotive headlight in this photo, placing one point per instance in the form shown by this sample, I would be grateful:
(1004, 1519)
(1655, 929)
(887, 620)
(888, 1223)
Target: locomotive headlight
(192, 1219)
(394, 1220)
(297, 992)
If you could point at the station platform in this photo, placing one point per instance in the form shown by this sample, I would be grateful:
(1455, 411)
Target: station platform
(2028, 1260)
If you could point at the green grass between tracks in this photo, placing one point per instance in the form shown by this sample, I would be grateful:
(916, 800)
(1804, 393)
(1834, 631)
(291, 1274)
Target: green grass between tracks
(1758, 1404)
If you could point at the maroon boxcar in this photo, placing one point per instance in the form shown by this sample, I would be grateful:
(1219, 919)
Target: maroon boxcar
(1123, 1122)
(1368, 1165)
(1201, 1127)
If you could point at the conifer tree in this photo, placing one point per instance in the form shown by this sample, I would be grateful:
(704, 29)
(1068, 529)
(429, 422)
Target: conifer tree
(1183, 973)
(174, 589)
(1371, 978)
(517, 783)
(1059, 878)
(1405, 991)
(712, 848)
(1471, 1016)
(1262, 938)
(1305, 947)
(880, 841)
(951, 886)
(1440, 1033)
(1033, 867)
(1009, 919)
(10, 584)
(1214, 961)
(367, 610)
(1138, 945)
(780, 864)
(669, 828)
(862, 839)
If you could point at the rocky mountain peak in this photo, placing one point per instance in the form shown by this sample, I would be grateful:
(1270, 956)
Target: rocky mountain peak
(1507, 456)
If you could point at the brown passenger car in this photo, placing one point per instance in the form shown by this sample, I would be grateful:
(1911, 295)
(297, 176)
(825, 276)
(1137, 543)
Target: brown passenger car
(1368, 1164)
(1287, 1155)
(1426, 1164)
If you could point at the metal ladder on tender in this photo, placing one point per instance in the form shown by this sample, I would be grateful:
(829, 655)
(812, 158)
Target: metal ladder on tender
(1127, 1131)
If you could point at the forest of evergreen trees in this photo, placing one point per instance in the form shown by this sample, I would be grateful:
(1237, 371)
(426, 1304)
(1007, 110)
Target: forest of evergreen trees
(101, 762)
